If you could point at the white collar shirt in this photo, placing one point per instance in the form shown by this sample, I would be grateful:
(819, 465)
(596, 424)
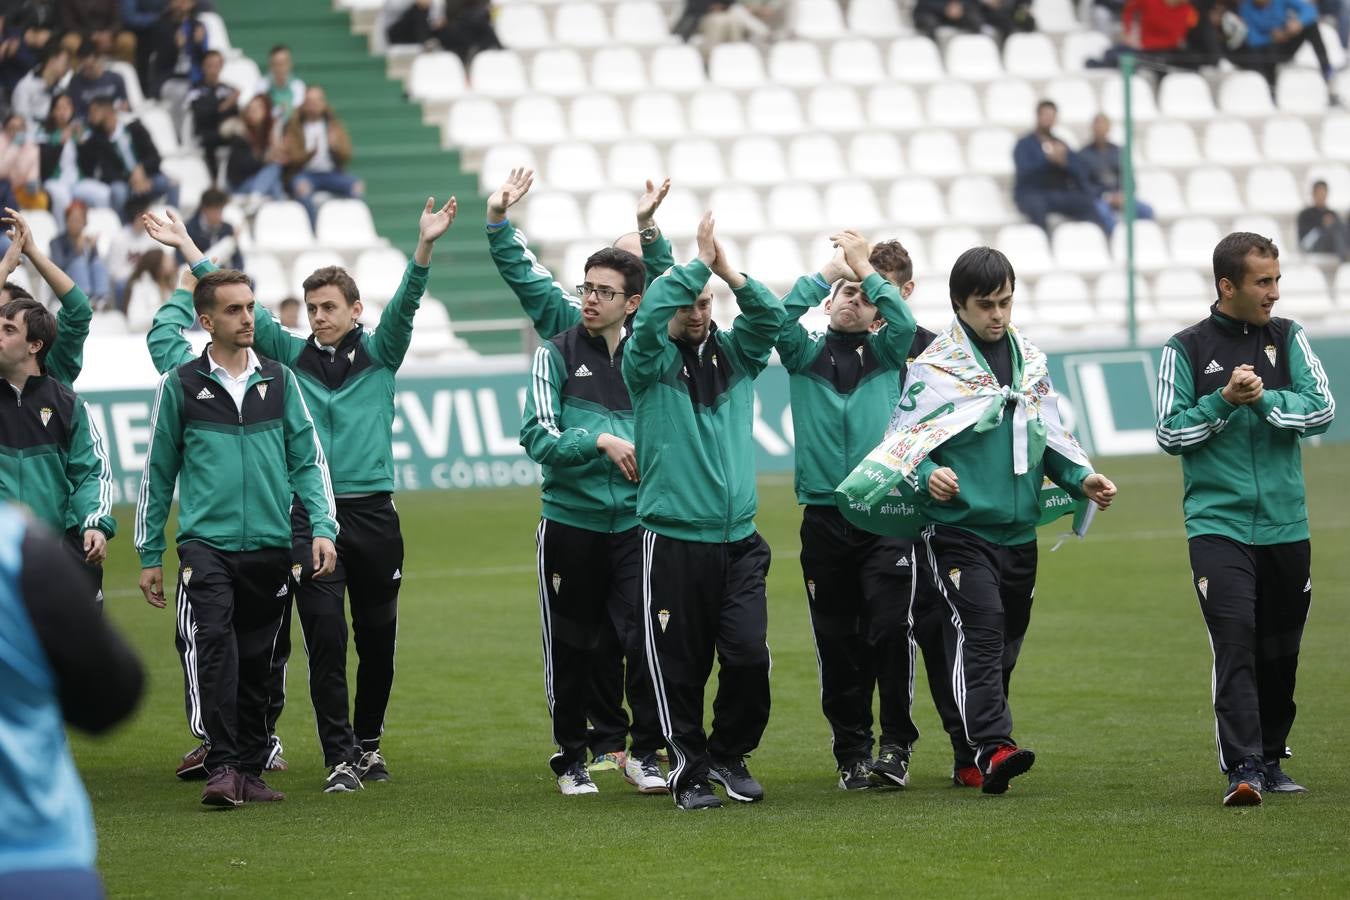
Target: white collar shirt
(235, 387)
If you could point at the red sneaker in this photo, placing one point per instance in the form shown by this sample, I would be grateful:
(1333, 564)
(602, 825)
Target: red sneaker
(1007, 763)
(967, 776)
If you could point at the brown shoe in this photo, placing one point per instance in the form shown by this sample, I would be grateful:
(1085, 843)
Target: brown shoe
(224, 788)
(257, 791)
(193, 765)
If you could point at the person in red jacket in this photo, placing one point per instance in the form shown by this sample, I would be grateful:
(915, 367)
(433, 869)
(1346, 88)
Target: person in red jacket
(1164, 33)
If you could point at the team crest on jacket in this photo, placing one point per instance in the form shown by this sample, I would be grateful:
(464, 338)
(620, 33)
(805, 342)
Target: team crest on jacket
(955, 576)
(1270, 353)
(663, 616)
(262, 390)
(351, 357)
(187, 575)
(557, 581)
(46, 415)
(1202, 585)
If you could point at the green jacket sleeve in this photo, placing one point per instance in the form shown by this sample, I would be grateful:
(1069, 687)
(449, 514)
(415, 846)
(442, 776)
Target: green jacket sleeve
(891, 344)
(647, 346)
(273, 341)
(1185, 422)
(162, 459)
(794, 341)
(542, 432)
(389, 343)
(1308, 406)
(169, 349)
(752, 337)
(657, 257)
(1065, 473)
(66, 357)
(89, 475)
(306, 463)
(548, 305)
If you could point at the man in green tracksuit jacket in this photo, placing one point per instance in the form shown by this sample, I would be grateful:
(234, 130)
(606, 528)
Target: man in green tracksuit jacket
(233, 431)
(1236, 392)
(704, 564)
(982, 545)
(844, 382)
(346, 376)
(52, 457)
(553, 311)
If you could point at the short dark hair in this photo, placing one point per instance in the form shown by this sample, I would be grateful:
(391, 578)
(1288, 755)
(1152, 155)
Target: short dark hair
(204, 294)
(135, 207)
(626, 264)
(288, 302)
(1046, 104)
(1230, 255)
(214, 198)
(39, 323)
(979, 272)
(1319, 183)
(278, 48)
(101, 100)
(17, 291)
(87, 49)
(338, 278)
(210, 53)
(891, 258)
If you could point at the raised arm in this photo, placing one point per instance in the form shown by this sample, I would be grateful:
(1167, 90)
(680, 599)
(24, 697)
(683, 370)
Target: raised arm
(65, 359)
(761, 317)
(1307, 406)
(656, 253)
(390, 342)
(547, 304)
(891, 344)
(1186, 422)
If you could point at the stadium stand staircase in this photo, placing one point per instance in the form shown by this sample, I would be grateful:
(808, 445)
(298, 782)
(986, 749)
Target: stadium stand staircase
(400, 159)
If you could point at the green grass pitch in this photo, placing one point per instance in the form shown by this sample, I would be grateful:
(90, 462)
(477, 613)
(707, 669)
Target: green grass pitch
(1112, 691)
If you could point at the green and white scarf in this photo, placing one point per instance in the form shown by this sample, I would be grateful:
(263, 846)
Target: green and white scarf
(950, 388)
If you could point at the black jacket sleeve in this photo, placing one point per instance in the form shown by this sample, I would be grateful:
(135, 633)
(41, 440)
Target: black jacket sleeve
(147, 154)
(99, 679)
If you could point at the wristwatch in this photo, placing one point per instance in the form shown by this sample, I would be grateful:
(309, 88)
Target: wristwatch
(649, 234)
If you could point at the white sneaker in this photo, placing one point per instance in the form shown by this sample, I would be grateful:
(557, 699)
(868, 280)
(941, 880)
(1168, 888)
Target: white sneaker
(645, 774)
(576, 781)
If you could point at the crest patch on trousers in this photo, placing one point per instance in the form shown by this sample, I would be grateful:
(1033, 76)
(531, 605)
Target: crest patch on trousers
(811, 588)
(955, 576)
(1270, 353)
(1202, 585)
(296, 570)
(557, 580)
(186, 575)
(663, 616)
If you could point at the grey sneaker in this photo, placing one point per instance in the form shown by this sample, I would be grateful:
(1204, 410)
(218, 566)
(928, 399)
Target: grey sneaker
(855, 776)
(371, 767)
(342, 779)
(698, 795)
(891, 770)
(736, 778)
(1278, 782)
(1245, 781)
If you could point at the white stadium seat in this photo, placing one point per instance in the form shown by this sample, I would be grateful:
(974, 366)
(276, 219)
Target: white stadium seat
(989, 151)
(597, 118)
(796, 64)
(498, 73)
(1182, 294)
(949, 243)
(815, 159)
(1341, 287)
(1030, 55)
(876, 155)
(271, 282)
(1027, 247)
(953, 104)
(1162, 191)
(192, 176)
(677, 68)
(379, 272)
(558, 72)
(1078, 47)
(1080, 247)
(856, 61)
(794, 209)
(775, 259)
(696, 163)
(632, 163)
(1171, 144)
(758, 160)
(1265, 225)
(657, 115)
(915, 60)
(1300, 91)
(308, 263)
(217, 35)
(241, 73)
(835, 109)
(1303, 292)
(1185, 96)
(1213, 192)
(1245, 94)
(575, 166)
(974, 57)
(580, 25)
(618, 70)
(609, 213)
(551, 217)
(1230, 142)
(737, 210)
(894, 107)
(876, 18)
(716, 112)
(1286, 139)
(641, 23)
(1272, 189)
(1336, 176)
(538, 120)
(43, 226)
(817, 19)
(1055, 16)
(436, 77)
(157, 121)
(918, 203)
(738, 66)
(937, 154)
(1075, 98)
(1006, 102)
(1141, 99)
(1193, 240)
(522, 26)
(1150, 248)
(680, 213)
(1110, 294)
(474, 122)
(774, 110)
(1062, 299)
(1336, 136)
(852, 204)
(283, 226)
(499, 160)
(980, 200)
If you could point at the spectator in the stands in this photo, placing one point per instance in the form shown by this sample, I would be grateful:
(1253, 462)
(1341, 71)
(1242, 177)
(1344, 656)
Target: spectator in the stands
(996, 18)
(212, 234)
(176, 64)
(1321, 230)
(58, 139)
(1100, 158)
(1276, 29)
(256, 155)
(32, 97)
(1168, 33)
(127, 246)
(151, 283)
(464, 28)
(93, 80)
(288, 314)
(284, 91)
(123, 156)
(1050, 178)
(27, 29)
(20, 162)
(99, 21)
(729, 21)
(317, 150)
(143, 17)
(212, 103)
(75, 252)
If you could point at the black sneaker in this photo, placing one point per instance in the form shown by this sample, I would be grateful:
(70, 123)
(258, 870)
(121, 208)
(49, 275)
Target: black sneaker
(697, 795)
(1245, 781)
(342, 779)
(736, 778)
(1278, 782)
(891, 770)
(854, 776)
(372, 767)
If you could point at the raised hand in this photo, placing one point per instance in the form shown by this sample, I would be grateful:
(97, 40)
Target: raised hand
(837, 268)
(517, 185)
(856, 250)
(171, 231)
(435, 222)
(650, 201)
(707, 245)
(1099, 489)
(723, 268)
(18, 235)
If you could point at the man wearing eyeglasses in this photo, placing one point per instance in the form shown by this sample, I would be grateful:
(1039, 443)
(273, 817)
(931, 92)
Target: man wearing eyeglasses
(578, 425)
(553, 311)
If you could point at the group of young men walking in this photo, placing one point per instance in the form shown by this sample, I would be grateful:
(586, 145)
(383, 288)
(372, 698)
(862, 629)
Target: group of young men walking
(640, 413)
